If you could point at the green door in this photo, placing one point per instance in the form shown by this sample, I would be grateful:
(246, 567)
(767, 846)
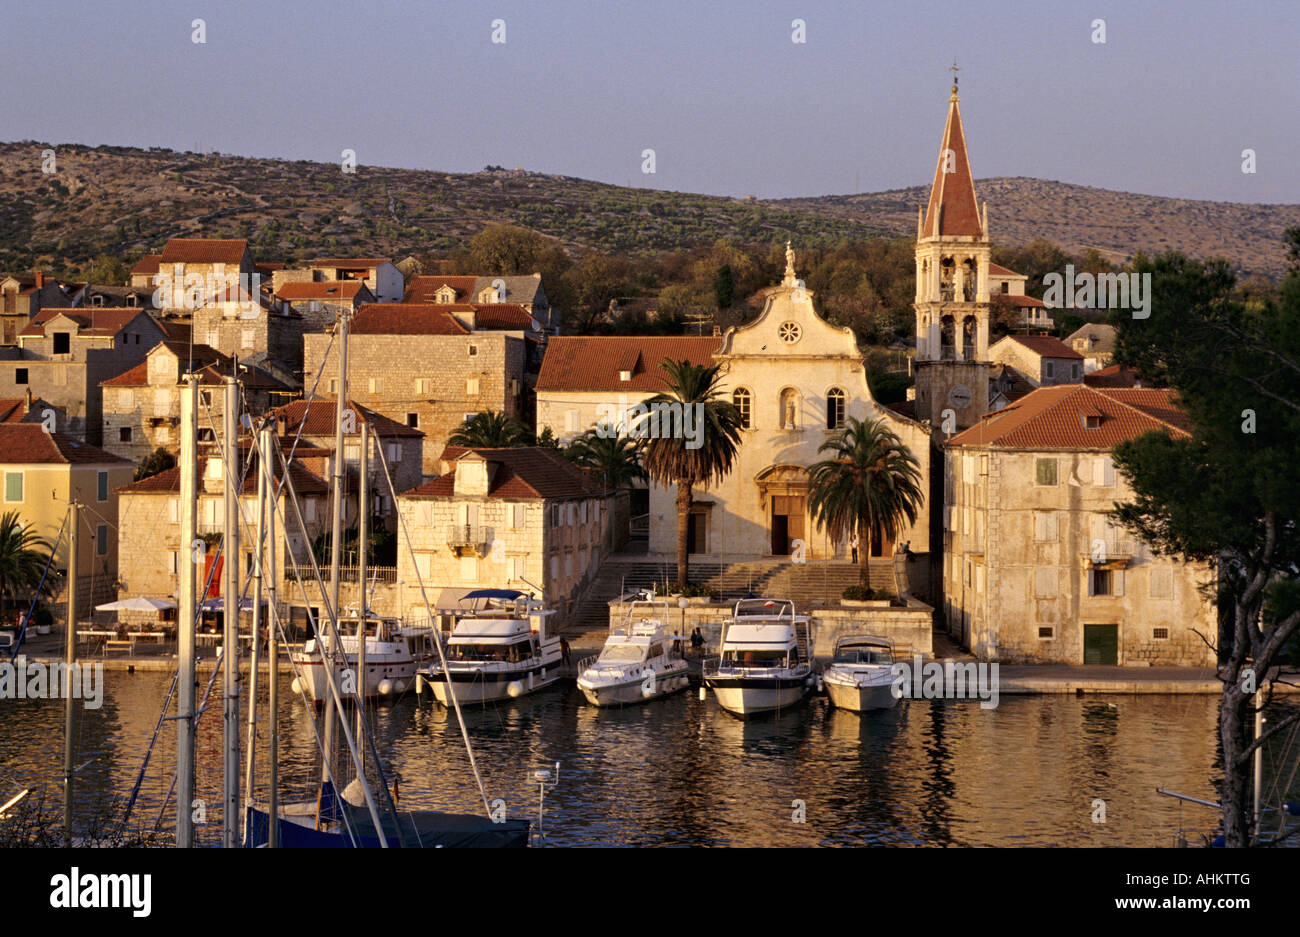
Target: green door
(1101, 644)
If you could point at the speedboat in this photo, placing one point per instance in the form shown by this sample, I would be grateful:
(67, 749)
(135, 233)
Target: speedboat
(393, 654)
(498, 649)
(860, 676)
(640, 662)
(765, 662)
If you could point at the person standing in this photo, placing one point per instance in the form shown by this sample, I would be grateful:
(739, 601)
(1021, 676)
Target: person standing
(854, 545)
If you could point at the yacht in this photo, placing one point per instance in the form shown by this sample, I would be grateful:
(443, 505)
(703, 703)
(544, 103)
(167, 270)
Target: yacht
(640, 662)
(498, 649)
(860, 676)
(393, 654)
(766, 658)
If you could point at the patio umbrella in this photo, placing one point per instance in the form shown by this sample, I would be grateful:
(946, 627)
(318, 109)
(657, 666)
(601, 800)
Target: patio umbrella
(219, 605)
(137, 604)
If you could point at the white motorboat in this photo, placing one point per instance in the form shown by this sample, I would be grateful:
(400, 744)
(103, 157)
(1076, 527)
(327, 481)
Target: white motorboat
(393, 654)
(497, 651)
(640, 662)
(860, 676)
(766, 658)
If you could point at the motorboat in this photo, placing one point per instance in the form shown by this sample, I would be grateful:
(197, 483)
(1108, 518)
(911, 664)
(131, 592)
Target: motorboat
(860, 675)
(765, 661)
(498, 649)
(642, 661)
(394, 653)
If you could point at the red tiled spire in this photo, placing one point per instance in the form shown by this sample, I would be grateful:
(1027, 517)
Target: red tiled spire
(952, 211)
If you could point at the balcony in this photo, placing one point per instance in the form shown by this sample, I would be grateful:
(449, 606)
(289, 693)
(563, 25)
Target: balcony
(467, 540)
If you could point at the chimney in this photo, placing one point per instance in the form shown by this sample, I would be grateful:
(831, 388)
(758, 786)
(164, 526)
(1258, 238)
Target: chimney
(27, 400)
(40, 279)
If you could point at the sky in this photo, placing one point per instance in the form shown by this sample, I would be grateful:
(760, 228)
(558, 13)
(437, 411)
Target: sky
(721, 93)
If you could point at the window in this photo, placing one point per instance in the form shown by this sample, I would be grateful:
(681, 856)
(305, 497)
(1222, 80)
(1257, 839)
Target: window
(1074, 371)
(1049, 370)
(471, 387)
(413, 420)
(101, 540)
(20, 375)
(205, 435)
(124, 434)
(247, 337)
(1045, 471)
(1104, 472)
(834, 408)
(394, 452)
(101, 479)
(13, 486)
(173, 509)
(175, 561)
(789, 332)
(1046, 634)
(1161, 583)
(62, 343)
(334, 385)
(311, 509)
(1045, 582)
(1006, 287)
(473, 350)
(1099, 582)
(374, 385)
(422, 385)
(517, 516)
(741, 400)
(1045, 526)
(1160, 634)
(556, 516)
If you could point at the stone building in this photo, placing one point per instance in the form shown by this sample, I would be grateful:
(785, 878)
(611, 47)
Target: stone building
(1096, 342)
(1033, 567)
(525, 291)
(142, 407)
(42, 472)
(21, 297)
(429, 366)
(1041, 359)
(384, 281)
(522, 518)
(257, 330)
(318, 303)
(64, 355)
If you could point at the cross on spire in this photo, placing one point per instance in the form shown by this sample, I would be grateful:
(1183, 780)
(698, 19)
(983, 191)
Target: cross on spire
(954, 69)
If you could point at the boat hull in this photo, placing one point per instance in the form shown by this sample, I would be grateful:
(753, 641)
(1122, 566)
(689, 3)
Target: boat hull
(863, 698)
(631, 691)
(399, 675)
(748, 696)
(479, 686)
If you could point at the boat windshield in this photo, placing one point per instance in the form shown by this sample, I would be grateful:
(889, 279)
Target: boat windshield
(862, 655)
(773, 658)
(621, 654)
(489, 652)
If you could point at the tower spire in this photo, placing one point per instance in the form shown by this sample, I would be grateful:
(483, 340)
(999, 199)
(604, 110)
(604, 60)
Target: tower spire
(952, 210)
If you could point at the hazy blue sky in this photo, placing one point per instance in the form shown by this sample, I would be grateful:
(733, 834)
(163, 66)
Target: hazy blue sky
(728, 102)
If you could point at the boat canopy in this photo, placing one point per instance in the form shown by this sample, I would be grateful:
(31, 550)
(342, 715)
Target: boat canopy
(753, 637)
(489, 629)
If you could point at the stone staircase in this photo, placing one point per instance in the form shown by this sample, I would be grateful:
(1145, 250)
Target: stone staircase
(804, 583)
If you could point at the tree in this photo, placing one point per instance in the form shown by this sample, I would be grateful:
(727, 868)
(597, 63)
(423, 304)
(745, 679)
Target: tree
(506, 250)
(593, 283)
(699, 458)
(160, 460)
(23, 556)
(869, 486)
(490, 429)
(1227, 495)
(724, 287)
(108, 270)
(615, 460)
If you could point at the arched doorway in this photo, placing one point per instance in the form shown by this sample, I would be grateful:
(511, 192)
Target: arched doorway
(783, 492)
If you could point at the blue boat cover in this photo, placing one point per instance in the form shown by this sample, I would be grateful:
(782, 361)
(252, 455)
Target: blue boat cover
(427, 829)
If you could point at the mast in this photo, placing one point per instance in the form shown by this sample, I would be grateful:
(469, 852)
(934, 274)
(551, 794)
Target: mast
(259, 519)
(363, 512)
(272, 642)
(336, 535)
(185, 615)
(230, 639)
(70, 657)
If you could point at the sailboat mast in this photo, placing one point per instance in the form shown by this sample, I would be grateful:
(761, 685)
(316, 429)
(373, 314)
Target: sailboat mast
(363, 518)
(230, 638)
(259, 533)
(272, 642)
(70, 657)
(185, 615)
(336, 529)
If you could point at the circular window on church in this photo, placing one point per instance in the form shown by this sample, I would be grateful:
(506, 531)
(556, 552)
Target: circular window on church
(790, 332)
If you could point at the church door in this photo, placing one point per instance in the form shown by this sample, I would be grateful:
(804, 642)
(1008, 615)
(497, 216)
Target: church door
(787, 523)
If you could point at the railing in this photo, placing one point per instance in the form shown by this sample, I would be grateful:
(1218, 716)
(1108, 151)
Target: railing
(385, 574)
(466, 535)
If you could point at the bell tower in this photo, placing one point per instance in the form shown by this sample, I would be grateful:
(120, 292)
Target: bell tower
(952, 288)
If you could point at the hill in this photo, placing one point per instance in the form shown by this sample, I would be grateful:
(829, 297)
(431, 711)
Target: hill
(128, 201)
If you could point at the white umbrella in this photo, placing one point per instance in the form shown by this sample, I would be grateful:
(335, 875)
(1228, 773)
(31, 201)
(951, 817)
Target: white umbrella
(139, 603)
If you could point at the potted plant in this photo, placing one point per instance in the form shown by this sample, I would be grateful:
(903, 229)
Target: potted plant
(864, 597)
(43, 619)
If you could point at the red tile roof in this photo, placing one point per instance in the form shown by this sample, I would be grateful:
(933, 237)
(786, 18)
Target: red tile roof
(1046, 346)
(324, 289)
(108, 320)
(1053, 418)
(1000, 271)
(15, 409)
(29, 444)
(305, 482)
(351, 263)
(317, 419)
(1022, 302)
(1114, 376)
(423, 288)
(510, 316)
(952, 210)
(405, 319)
(146, 265)
(593, 362)
(524, 472)
(203, 251)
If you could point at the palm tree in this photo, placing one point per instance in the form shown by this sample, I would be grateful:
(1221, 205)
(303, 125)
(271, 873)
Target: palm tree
(490, 429)
(614, 459)
(870, 485)
(22, 561)
(707, 455)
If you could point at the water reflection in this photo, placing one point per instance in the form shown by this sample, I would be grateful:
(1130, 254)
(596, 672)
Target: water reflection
(681, 771)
